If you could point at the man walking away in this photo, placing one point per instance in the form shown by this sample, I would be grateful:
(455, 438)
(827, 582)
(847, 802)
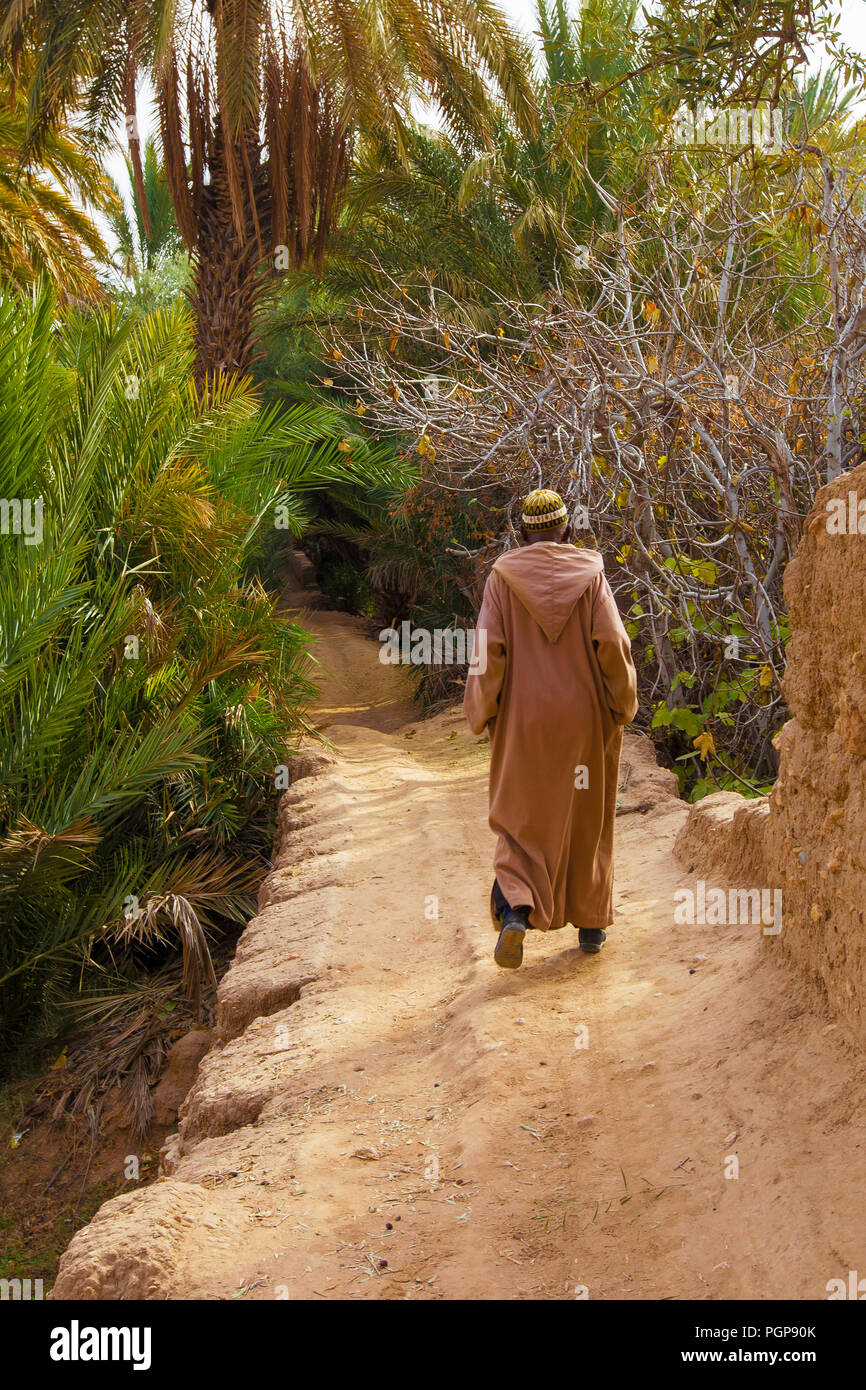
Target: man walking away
(558, 687)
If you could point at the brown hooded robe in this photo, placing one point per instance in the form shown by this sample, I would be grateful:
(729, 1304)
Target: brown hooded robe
(558, 687)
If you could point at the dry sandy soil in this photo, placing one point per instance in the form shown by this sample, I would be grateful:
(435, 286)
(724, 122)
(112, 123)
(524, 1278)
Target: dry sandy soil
(389, 1116)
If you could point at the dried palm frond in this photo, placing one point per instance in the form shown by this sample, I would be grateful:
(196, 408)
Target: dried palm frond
(117, 1047)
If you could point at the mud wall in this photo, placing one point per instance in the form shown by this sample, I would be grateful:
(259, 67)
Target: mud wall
(809, 836)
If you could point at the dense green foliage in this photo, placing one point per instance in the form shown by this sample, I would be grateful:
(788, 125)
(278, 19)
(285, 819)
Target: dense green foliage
(149, 689)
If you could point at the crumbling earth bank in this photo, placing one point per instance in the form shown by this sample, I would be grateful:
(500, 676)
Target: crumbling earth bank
(809, 836)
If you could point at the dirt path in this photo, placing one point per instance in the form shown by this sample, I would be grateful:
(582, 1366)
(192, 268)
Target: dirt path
(390, 1116)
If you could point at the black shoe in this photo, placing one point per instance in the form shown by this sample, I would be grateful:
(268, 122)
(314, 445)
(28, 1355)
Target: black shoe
(509, 947)
(498, 905)
(592, 939)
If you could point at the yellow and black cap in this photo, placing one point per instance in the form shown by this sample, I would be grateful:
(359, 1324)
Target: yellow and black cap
(543, 510)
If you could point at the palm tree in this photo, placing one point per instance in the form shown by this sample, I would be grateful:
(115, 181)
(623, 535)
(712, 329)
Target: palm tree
(403, 216)
(45, 226)
(548, 183)
(150, 235)
(259, 108)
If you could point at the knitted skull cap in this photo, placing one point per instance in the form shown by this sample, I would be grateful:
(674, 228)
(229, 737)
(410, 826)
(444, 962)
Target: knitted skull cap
(543, 509)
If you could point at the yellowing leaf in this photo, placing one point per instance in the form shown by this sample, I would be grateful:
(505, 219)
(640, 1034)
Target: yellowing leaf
(705, 744)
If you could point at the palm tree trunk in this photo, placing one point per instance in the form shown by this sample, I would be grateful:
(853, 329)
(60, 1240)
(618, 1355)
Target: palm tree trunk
(227, 286)
(134, 140)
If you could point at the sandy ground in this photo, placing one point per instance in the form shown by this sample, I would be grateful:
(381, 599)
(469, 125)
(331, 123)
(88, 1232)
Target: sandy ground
(416, 1123)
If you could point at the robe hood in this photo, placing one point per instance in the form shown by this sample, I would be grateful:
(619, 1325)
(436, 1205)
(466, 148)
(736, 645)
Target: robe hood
(548, 579)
